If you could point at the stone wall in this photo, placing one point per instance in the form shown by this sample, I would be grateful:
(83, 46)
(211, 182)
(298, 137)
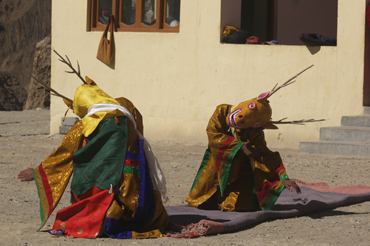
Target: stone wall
(23, 23)
(38, 97)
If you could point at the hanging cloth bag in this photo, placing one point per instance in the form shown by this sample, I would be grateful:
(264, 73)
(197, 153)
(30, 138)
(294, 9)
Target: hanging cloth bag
(106, 48)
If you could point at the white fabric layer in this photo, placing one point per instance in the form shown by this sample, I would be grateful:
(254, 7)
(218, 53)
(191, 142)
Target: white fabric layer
(158, 179)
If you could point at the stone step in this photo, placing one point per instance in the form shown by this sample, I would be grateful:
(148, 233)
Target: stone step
(355, 149)
(345, 134)
(366, 110)
(359, 120)
(67, 124)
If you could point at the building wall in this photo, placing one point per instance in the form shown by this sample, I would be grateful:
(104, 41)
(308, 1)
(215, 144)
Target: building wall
(366, 99)
(178, 79)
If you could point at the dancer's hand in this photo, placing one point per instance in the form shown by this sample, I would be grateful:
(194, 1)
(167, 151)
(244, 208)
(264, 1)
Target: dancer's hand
(26, 174)
(246, 151)
(289, 184)
(249, 151)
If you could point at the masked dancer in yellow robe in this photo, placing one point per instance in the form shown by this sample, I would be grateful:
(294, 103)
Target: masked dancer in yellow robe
(117, 186)
(238, 171)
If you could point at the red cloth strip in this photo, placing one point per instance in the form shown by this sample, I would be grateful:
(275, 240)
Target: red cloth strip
(131, 163)
(47, 189)
(222, 151)
(281, 167)
(265, 188)
(92, 192)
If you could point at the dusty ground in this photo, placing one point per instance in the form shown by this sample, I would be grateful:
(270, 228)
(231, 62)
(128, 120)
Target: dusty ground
(25, 142)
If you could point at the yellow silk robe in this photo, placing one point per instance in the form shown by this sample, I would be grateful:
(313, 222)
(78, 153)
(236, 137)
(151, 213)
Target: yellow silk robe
(53, 174)
(229, 180)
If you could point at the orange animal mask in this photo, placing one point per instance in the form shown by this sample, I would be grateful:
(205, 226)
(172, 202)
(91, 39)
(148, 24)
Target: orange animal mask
(252, 113)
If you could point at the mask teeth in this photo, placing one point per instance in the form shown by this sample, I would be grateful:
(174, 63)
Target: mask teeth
(232, 116)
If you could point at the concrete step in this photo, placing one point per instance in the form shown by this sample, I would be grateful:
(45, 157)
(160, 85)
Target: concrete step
(355, 149)
(366, 110)
(345, 134)
(359, 120)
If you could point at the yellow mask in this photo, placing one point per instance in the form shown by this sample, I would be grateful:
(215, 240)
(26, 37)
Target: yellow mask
(88, 95)
(252, 113)
(85, 97)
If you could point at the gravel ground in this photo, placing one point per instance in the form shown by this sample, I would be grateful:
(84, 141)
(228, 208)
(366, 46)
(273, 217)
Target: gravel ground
(25, 142)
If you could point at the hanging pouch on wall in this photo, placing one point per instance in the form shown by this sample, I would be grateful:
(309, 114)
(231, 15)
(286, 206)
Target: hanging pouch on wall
(106, 49)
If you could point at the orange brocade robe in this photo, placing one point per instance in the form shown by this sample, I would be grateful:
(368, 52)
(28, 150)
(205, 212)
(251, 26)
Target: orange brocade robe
(101, 209)
(229, 180)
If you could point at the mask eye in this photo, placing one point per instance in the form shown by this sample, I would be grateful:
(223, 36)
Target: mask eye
(251, 105)
(257, 125)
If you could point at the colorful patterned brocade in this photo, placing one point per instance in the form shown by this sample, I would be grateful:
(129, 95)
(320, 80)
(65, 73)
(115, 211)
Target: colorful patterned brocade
(227, 179)
(112, 191)
(52, 175)
(118, 227)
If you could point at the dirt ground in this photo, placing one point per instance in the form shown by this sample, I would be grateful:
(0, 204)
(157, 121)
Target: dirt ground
(25, 142)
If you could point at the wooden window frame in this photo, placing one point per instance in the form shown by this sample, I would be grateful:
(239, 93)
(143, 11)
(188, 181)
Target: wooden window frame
(138, 26)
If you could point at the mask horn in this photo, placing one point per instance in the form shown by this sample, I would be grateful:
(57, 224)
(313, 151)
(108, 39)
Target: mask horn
(289, 82)
(69, 64)
(54, 92)
(270, 125)
(296, 122)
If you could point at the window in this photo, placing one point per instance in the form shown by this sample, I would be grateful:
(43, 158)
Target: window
(136, 15)
(281, 20)
(286, 20)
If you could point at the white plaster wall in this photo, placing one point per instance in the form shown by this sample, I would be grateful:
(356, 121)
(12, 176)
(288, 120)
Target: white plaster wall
(178, 79)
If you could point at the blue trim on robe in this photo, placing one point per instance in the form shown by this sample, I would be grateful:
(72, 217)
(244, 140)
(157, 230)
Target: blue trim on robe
(146, 206)
(132, 156)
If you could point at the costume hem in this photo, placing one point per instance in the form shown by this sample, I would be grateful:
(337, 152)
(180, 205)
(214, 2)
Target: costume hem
(274, 198)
